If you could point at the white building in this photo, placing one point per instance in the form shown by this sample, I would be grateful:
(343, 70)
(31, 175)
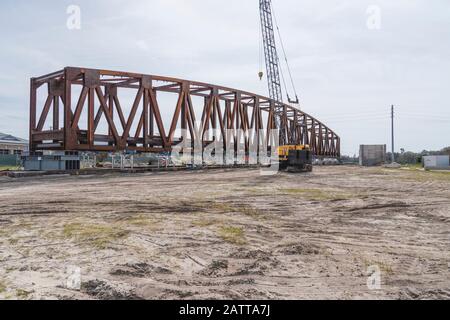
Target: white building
(437, 162)
(12, 145)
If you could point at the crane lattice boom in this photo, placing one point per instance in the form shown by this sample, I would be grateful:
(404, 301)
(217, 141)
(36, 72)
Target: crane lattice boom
(270, 51)
(272, 62)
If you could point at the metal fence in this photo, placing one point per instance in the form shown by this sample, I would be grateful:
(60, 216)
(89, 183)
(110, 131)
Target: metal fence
(9, 160)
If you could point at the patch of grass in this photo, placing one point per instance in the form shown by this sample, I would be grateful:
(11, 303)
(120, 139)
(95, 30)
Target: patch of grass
(13, 241)
(99, 236)
(4, 233)
(423, 176)
(220, 206)
(13, 228)
(319, 194)
(413, 166)
(249, 211)
(233, 235)
(2, 287)
(204, 222)
(142, 221)
(4, 168)
(442, 175)
(23, 294)
(9, 269)
(384, 266)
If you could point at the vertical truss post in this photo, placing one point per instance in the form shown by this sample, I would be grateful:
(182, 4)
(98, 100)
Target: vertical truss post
(33, 102)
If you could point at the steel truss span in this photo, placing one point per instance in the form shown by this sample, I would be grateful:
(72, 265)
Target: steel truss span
(79, 109)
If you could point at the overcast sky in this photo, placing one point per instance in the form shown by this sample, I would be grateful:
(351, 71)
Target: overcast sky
(347, 74)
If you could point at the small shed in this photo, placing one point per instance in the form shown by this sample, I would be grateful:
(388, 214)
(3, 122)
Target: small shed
(436, 162)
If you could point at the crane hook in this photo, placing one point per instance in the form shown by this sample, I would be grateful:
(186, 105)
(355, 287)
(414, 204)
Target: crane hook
(260, 74)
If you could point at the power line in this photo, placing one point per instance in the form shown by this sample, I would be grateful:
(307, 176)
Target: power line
(358, 120)
(444, 117)
(347, 116)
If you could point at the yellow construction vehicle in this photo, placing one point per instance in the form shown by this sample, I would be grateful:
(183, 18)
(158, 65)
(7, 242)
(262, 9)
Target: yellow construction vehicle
(295, 158)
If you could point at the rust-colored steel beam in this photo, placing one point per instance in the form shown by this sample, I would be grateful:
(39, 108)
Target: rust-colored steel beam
(84, 98)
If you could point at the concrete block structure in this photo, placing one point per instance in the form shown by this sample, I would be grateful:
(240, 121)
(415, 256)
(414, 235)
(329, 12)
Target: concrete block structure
(372, 155)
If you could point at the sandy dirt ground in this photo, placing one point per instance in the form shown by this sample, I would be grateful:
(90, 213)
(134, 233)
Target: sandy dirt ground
(227, 234)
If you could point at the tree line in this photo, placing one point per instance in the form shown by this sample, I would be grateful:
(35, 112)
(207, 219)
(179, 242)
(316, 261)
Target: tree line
(408, 157)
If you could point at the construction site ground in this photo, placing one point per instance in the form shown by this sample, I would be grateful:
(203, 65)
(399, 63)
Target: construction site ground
(227, 234)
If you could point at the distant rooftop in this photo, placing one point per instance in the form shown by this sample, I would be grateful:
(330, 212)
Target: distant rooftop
(7, 138)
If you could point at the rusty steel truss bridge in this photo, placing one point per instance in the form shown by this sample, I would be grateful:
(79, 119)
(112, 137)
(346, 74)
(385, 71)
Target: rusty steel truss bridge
(79, 109)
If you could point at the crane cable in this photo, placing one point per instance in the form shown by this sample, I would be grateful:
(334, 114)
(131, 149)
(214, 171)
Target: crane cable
(261, 73)
(285, 56)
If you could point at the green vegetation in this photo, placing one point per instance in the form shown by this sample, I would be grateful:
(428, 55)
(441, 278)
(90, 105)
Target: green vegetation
(142, 221)
(99, 236)
(384, 266)
(5, 168)
(204, 222)
(4, 233)
(2, 287)
(250, 211)
(232, 235)
(22, 294)
(424, 176)
(219, 206)
(412, 166)
(407, 157)
(10, 269)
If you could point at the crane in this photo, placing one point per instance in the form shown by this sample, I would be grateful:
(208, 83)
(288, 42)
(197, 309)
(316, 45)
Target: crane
(296, 157)
(273, 67)
(270, 51)
(275, 75)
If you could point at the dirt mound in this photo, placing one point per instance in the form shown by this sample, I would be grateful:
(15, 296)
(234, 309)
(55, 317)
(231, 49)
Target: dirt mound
(101, 290)
(299, 249)
(432, 294)
(139, 270)
(215, 269)
(253, 254)
(259, 267)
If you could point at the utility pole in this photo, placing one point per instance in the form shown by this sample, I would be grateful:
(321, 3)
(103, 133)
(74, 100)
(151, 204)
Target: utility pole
(392, 127)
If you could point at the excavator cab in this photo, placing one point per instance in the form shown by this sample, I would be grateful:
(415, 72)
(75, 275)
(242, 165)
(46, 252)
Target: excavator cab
(295, 158)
